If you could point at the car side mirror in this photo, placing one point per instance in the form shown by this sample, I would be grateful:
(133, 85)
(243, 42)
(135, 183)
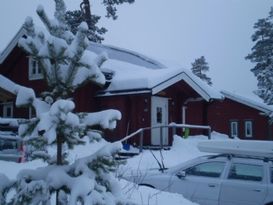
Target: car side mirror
(181, 174)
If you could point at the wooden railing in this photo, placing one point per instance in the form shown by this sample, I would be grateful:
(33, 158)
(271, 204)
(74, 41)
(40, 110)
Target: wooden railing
(173, 126)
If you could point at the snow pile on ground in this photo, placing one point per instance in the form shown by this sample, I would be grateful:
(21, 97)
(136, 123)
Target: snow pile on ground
(182, 150)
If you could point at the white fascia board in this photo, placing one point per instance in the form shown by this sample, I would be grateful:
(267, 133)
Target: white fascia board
(12, 44)
(184, 76)
(109, 93)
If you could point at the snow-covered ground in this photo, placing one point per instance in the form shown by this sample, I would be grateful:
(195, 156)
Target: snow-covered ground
(182, 150)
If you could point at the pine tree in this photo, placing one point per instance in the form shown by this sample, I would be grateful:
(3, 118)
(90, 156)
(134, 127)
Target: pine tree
(261, 55)
(199, 67)
(67, 64)
(95, 33)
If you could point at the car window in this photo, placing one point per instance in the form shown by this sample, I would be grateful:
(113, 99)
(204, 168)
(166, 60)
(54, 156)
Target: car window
(248, 172)
(8, 144)
(208, 169)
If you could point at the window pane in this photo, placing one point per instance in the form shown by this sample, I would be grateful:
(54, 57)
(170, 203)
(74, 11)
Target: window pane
(34, 66)
(8, 110)
(209, 169)
(248, 128)
(34, 70)
(246, 172)
(159, 115)
(234, 129)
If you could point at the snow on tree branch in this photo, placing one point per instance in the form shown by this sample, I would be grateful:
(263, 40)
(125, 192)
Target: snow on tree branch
(5, 185)
(107, 119)
(60, 54)
(66, 65)
(96, 185)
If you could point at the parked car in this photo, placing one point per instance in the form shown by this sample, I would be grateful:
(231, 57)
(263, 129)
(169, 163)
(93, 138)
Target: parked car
(11, 147)
(216, 180)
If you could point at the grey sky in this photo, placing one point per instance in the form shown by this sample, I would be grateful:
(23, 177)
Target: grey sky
(176, 30)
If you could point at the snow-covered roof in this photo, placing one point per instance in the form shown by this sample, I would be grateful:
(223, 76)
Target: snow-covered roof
(266, 109)
(125, 55)
(134, 72)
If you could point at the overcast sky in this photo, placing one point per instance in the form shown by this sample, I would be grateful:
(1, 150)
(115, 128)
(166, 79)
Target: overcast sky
(175, 30)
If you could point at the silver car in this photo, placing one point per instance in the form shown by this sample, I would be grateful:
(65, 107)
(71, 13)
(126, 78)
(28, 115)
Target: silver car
(216, 180)
(11, 147)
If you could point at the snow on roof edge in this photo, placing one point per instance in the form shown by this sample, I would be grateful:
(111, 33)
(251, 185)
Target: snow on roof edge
(249, 102)
(204, 91)
(135, 54)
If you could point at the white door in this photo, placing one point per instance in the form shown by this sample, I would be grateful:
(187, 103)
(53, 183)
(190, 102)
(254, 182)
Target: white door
(159, 117)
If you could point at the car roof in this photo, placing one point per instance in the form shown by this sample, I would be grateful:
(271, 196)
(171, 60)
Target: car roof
(222, 157)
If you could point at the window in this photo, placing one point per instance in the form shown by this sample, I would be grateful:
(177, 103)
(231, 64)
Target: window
(8, 110)
(247, 172)
(34, 72)
(208, 169)
(159, 114)
(248, 128)
(234, 129)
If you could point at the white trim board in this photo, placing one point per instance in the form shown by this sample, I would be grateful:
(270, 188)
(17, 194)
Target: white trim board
(203, 92)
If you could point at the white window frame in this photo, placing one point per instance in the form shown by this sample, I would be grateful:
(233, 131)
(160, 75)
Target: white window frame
(30, 112)
(234, 132)
(6, 106)
(249, 123)
(34, 73)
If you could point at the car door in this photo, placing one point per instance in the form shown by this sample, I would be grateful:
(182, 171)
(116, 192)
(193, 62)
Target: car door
(201, 182)
(245, 185)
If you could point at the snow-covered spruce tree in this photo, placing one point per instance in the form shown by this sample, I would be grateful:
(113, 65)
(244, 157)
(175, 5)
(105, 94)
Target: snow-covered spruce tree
(95, 33)
(200, 67)
(262, 56)
(66, 65)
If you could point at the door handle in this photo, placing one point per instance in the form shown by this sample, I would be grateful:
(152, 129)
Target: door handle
(257, 190)
(212, 185)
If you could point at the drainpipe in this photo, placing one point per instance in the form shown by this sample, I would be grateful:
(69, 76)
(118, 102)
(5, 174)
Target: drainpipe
(184, 107)
(184, 114)
(269, 124)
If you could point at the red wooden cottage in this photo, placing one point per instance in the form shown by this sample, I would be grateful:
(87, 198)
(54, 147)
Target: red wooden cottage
(148, 93)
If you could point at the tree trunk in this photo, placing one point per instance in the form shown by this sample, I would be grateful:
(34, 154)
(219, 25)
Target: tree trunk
(85, 6)
(59, 160)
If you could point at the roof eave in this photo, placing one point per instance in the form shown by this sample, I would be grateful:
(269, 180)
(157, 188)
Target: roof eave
(184, 76)
(264, 110)
(12, 44)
